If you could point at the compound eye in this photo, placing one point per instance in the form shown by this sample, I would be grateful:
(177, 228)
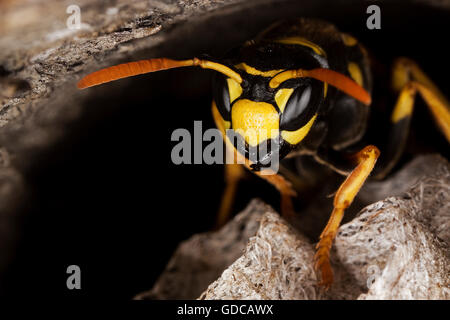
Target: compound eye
(222, 96)
(298, 109)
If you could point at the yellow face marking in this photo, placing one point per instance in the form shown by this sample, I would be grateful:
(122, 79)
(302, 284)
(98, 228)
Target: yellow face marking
(255, 121)
(282, 97)
(256, 72)
(237, 157)
(234, 89)
(355, 73)
(303, 42)
(294, 137)
(348, 40)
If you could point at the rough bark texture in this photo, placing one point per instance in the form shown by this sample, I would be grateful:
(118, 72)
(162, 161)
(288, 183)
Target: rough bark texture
(396, 248)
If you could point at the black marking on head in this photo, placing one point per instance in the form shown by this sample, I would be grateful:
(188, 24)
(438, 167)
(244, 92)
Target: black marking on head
(302, 105)
(267, 56)
(221, 96)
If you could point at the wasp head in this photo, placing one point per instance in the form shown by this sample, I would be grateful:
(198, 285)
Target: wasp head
(266, 122)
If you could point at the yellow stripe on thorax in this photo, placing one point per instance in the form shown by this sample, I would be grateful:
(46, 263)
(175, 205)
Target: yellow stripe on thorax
(303, 42)
(355, 73)
(348, 40)
(404, 106)
(256, 72)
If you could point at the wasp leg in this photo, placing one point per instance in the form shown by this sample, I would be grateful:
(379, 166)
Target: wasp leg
(408, 79)
(365, 160)
(286, 191)
(233, 174)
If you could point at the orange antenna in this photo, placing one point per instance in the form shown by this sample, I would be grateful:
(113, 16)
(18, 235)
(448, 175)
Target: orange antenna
(130, 69)
(331, 77)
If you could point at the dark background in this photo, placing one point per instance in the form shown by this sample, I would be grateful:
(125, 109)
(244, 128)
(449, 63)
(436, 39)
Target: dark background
(108, 198)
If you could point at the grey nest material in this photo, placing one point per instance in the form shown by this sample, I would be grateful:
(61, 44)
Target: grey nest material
(268, 269)
(396, 248)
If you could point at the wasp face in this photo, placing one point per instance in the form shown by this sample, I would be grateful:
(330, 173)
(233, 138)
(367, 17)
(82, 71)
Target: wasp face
(266, 122)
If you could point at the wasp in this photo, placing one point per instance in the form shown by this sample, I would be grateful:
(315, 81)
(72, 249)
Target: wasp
(306, 87)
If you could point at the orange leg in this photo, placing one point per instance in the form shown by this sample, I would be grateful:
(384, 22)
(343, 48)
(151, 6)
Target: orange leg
(234, 173)
(365, 160)
(286, 192)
